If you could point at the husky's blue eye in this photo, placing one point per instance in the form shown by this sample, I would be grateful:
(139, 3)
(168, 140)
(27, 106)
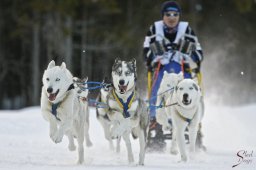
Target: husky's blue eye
(181, 88)
(57, 79)
(191, 88)
(127, 73)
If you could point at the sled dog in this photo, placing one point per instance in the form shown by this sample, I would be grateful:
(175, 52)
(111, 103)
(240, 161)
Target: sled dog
(188, 111)
(167, 86)
(62, 106)
(125, 113)
(101, 111)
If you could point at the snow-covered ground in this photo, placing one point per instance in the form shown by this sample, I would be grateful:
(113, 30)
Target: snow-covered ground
(25, 144)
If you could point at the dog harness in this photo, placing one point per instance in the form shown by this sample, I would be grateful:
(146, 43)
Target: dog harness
(124, 105)
(186, 119)
(56, 105)
(54, 110)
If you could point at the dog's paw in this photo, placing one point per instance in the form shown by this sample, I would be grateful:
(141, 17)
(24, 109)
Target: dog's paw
(57, 138)
(114, 134)
(184, 159)
(52, 134)
(88, 143)
(174, 151)
(71, 147)
(80, 161)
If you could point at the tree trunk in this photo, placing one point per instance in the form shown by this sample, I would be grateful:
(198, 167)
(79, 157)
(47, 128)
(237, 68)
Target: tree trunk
(35, 64)
(68, 43)
(84, 52)
(192, 13)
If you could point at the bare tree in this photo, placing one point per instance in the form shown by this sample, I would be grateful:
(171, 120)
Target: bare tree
(35, 60)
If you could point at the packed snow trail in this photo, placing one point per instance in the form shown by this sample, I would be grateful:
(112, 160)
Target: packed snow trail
(25, 144)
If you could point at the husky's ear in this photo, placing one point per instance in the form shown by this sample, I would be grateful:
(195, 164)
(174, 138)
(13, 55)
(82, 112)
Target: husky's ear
(180, 76)
(195, 86)
(117, 60)
(51, 64)
(75, 79)
(63, 65)
(165, 72)
(85, 79)
(117, 64)
(134, 61)
(176, 88)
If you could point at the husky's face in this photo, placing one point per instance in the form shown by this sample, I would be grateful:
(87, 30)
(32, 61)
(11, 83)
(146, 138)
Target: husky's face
(124, 75)
(170, 80)
(56, 81)
(188, 93)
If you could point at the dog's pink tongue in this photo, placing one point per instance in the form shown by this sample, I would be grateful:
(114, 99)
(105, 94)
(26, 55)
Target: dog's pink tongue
(123, 88)
(52, 97)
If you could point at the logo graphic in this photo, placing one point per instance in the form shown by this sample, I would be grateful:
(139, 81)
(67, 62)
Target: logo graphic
(244, 157)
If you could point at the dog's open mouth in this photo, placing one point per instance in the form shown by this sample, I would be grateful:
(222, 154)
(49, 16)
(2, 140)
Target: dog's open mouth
(52, 96)
(186, 101)
(123, 88)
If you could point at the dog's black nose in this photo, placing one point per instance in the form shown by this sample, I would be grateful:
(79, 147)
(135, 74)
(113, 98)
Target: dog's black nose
(185, 96)
(121, 82)
(49, 90)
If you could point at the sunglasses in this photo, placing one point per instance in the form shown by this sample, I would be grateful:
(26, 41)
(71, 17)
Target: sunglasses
(172, 14)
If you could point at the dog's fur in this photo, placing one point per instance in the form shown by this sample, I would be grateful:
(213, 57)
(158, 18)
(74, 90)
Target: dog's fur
(72, 116)
(114, 122)
(187, 112)
(166, 89)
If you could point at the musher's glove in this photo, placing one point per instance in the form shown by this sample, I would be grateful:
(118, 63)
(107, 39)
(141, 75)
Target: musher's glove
(163, 59)
(195, 58)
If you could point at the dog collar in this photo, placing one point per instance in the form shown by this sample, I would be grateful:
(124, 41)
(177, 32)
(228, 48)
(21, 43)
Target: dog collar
(124, 105)
(71, 87)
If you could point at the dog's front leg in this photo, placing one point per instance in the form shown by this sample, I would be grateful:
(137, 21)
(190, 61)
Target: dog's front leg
(127, 141)
(64, 126)
(80, 141)
(181, 140)
(142, 140)
(192, 137)
(114, 129)
(53, 128)
(126, 125)
(174, 149)
(162, 119)
(87, 137)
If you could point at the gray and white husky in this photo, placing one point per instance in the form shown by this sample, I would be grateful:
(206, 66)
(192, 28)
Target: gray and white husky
(65, 108)
(125, 113)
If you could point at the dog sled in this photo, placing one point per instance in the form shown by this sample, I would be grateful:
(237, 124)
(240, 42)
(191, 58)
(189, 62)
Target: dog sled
(157, 137)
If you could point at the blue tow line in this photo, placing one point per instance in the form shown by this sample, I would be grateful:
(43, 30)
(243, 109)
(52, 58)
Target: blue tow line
(99, 85)
(151, 107)
(98, 104)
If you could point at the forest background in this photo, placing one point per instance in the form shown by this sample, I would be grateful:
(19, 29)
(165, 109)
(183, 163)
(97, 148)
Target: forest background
(89, 34)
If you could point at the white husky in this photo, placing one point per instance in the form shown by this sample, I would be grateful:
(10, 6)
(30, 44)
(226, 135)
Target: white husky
(126, 113)
(187, 112)
(167, 86)
(62, 107)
